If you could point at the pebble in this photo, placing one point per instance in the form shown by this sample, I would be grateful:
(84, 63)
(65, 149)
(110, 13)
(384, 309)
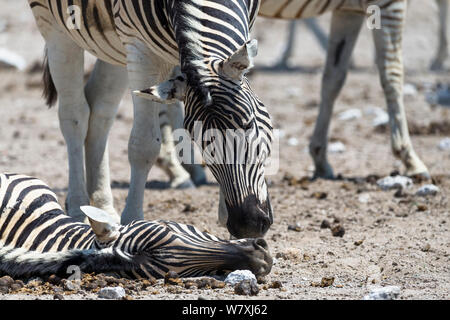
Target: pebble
(444, 144)
(384, 293)
(381, 116)
(325, 224)
(364, 198)
(351, 114)
(69, 285)
(409, 89)
(293, 142)
(427, 190)
(9, 59)
(338, 231)
(238, 276)
(112, 293)
(246, 288)
(397, 182)
(336, 147)
(58, 296)
(6, 281)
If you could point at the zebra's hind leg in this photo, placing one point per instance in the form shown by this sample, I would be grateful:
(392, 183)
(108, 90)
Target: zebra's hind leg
(66, 64)
(442, 55)
(345, 28)
(388, 43)
(103, 91)
(168, 160)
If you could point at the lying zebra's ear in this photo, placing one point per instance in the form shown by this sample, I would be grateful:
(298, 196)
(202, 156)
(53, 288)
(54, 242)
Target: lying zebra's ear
(102, 223)
(168, 92)
(236, 66)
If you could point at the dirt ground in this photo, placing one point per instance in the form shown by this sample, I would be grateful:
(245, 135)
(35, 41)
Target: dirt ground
(402, 241)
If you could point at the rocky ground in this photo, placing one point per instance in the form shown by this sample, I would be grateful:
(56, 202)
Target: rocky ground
(330, 239)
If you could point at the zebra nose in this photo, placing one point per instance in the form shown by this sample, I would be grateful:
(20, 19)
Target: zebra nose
(260, 243)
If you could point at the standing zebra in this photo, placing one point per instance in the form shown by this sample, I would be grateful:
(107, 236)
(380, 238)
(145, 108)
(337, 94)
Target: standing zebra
(347, 20)
(38, 239)
(438, 61)
(138, 42)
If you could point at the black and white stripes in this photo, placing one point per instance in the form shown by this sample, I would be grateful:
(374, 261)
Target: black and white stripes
(37, 238)
(210, 40)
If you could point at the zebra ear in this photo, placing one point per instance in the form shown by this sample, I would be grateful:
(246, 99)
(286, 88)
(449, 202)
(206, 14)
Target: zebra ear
(102, 223)
(236, 66)
(168, 92)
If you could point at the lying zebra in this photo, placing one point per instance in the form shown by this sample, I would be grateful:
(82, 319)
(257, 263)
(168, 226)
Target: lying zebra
(38, 239)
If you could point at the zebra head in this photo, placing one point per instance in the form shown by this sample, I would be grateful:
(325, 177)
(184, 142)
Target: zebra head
(152, 248)
(235, 131)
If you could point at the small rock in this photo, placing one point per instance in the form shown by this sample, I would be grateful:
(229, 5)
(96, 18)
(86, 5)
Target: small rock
(112, 293)
(326, 282)
(381, 116)
(320, 195)
(293, 142)
(422, 207)
(358, 243)
(336, 147)
(289, 254)
(409, 89)
(426, 247)
(397, 182)
(6, 281)
(4, 289)
(15, 287)
(337, 231)
(238, 276)
(58, 296)
(325, 224)
(69, 285)
(444, 144)
(276, 285)
(364, 198)
(295, 227)
(54, 279)
(351, 114)
(9, 59)
(427, 190)
(384, 293)
(246, 288)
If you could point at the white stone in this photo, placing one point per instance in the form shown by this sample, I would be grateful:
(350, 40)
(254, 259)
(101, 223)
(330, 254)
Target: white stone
(336, 147)
(351, 114)
(364, 198)
(444, 144)
(293, 142)
(397, 182)
(384, 293)
(111, 293)
(12, 60)
(381, 116)
(238, 276)
(427, 190)
(409, 89)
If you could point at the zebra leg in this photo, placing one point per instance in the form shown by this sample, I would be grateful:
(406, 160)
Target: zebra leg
(282, 64)
(144, 70)
(345, 28)
(168, 160)
(103, 91)
(442, 55)
(66, 62)
(388, 44)
(195, 170)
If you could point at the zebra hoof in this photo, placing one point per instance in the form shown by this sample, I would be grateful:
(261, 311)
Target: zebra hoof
(188, 184)
(421, 177)
(324, 173)
(201, 182)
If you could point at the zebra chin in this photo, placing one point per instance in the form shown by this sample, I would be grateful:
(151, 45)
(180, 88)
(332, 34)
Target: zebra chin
(251, 219)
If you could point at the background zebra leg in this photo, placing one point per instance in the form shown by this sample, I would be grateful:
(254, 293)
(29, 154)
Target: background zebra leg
(194, 168)
(168, 160)
(104, 92)
(442, 55)
(144, 70)
(66, 62)
(345, 27)
(388, 43)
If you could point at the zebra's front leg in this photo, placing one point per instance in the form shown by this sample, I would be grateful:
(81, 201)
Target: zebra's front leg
(345, 28)
(442, 54)
(388, 43)
(66, 62)
(104, 91)
(144, 70)
(168, 160)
